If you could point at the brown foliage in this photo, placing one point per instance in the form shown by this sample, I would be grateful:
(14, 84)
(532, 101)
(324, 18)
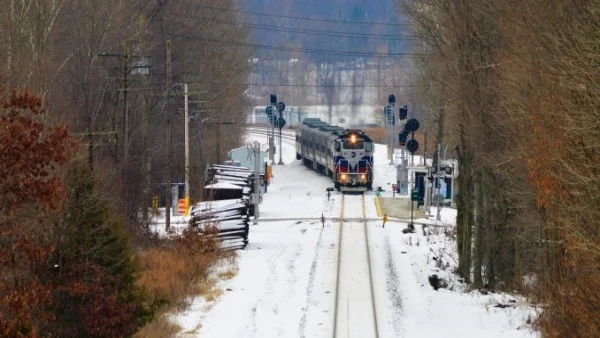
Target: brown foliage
(31, 157)
(31, 153)
(174, 271)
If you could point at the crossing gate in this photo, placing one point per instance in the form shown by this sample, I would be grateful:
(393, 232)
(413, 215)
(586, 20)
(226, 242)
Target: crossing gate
(181, 206)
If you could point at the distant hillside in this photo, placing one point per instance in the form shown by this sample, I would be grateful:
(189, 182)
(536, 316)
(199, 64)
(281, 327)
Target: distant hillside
(334, 26)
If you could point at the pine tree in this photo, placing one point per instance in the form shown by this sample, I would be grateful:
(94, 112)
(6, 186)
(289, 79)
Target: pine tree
(95, 286)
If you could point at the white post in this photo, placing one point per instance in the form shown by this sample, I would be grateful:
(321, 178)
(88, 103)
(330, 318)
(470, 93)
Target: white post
(257, 164)
(439, 199)
(388, 136)
(428, 186)
(291, 90)
(187, 151)
(280, 148)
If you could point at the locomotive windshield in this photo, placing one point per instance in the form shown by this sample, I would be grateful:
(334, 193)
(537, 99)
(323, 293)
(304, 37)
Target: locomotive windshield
(353, 146)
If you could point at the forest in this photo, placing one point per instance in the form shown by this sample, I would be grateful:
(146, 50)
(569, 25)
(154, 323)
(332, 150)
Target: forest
(91, 108)
(91, 128)
(512, 87)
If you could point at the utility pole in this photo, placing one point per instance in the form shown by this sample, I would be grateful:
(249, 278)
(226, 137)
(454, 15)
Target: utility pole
(218, 142)
(169, 140)
(125, 109)
(187, 150)
(126, 126)
(292, 62)
(218, 125)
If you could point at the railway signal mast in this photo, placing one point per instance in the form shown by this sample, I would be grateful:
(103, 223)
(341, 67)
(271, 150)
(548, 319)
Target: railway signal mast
(395, 124)
(390, 124)
(412, 146)
(275, 121)
(280, 122)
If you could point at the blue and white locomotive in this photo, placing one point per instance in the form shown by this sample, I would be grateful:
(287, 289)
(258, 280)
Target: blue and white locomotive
(344, 155)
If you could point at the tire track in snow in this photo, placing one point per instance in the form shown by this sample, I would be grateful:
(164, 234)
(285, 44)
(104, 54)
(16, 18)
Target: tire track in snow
(392, 287)
(268, 288)
(328, 206)
(309, 287)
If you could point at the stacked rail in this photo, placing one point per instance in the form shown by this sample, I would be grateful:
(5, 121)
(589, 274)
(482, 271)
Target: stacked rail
(227, 208)
(230, 218)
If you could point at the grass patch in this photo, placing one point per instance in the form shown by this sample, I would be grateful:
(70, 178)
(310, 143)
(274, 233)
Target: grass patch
(173, 272)
(160, 327)
(228, 274)
(209, 290)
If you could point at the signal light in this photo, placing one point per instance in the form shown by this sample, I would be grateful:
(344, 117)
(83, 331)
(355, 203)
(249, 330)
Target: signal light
(402, 138)
(403, 112)
(411, 125)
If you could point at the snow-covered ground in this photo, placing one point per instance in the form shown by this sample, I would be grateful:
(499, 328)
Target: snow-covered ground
(286, 283)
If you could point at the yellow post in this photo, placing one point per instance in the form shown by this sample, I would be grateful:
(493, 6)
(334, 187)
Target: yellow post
(187, 206)
(378, 206)
(155, 206)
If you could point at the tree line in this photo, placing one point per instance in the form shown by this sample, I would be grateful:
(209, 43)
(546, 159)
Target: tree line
(91, 97)
(513, 87)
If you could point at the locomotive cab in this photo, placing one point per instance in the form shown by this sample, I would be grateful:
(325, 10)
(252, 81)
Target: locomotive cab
(342, 154)
(354, 162)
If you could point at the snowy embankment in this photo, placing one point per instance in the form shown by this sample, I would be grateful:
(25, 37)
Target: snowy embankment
(286, 283)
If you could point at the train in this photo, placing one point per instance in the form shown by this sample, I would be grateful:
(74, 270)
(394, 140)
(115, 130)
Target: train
(345, 155)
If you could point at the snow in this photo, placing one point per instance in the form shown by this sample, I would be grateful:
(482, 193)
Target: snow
(223, 185)
(286, 283)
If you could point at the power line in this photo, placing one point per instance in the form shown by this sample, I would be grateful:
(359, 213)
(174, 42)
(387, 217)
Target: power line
(306, 18)
(285, 85)
(320, 86)
(293, 49)
(307, 30)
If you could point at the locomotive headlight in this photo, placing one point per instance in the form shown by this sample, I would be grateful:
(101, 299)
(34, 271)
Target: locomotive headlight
(353, 138)
(363, 177)
(343, 177)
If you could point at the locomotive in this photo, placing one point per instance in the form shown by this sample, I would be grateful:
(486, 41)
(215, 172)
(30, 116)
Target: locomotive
(345, 155)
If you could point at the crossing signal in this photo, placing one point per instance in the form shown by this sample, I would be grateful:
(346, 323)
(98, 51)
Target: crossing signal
(392, 99)
(402, 138)
(389, 115)
(403, 113)
(412, 146)
(411, 126)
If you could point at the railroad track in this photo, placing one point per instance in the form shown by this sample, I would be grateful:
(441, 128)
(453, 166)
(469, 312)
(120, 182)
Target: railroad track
(355, 312)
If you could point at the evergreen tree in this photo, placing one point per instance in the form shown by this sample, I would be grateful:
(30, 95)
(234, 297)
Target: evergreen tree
(95, 282)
